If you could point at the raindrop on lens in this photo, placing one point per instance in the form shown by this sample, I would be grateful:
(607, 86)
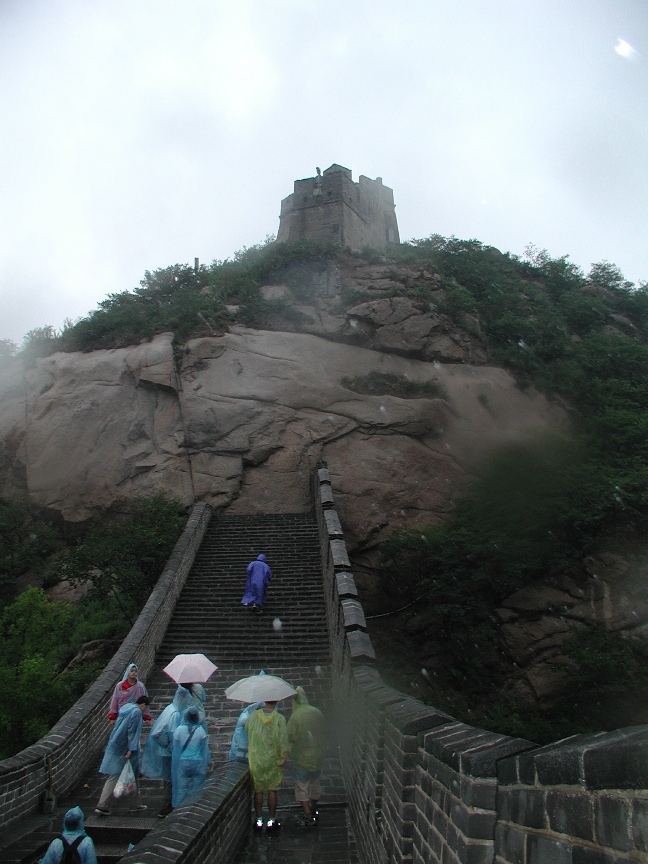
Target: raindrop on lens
(277, 625)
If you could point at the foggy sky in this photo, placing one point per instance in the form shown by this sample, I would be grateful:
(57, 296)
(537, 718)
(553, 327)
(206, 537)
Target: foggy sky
(135, 134)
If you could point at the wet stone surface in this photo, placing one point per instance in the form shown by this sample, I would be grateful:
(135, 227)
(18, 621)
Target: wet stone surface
(329, 842)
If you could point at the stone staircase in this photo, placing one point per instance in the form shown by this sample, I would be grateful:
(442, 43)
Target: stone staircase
(209, 616)
(289, 639)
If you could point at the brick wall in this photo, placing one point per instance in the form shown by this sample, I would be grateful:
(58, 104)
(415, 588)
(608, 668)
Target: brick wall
(583, 800)
(211, 830)
(424, 788)
(75, 743)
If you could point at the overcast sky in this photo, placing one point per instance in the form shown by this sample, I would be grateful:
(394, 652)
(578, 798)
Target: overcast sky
(135, 134)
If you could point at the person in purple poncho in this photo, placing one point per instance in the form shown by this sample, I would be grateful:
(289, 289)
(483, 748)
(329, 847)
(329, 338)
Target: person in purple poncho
(256, 587)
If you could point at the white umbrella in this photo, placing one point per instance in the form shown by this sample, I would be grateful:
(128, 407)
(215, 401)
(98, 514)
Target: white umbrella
(260, 688)
(190, 669)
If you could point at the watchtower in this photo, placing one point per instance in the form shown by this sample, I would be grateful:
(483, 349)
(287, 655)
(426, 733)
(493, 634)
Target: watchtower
(331, 207)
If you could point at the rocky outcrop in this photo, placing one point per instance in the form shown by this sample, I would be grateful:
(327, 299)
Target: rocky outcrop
(242, 419)
(611, 589)
(365, 304)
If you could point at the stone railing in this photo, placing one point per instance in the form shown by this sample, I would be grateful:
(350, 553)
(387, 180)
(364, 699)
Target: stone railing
(425, 788)
(75, 743)
(208, 832)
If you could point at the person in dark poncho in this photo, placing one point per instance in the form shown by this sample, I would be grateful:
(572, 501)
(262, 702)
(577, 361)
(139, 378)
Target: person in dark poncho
(259, 575)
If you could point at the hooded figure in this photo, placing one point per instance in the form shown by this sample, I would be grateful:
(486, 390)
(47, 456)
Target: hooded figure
(129, 689)
(190, 757)
(197, 697)
(123, 738)
(73, 833)
(239, 746)
(306, 733)
(307, 741)
(156, 758)
(267, 746)
(123, 745)
(256, 586)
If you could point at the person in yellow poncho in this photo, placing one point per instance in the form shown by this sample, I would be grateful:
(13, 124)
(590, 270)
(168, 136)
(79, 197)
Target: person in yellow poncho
(307, 742)
(267, 754)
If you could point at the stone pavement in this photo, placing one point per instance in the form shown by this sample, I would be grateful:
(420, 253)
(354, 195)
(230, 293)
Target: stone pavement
(330, 842)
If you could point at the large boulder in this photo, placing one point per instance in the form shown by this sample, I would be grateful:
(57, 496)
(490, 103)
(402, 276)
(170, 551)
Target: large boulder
(242, 420)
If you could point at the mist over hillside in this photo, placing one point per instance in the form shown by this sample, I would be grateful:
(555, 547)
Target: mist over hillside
(483, 417)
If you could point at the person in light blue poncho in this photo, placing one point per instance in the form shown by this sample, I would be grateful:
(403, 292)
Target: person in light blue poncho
(123, 745)
(197, 698)
(190, 757)
(156, 759)
(74, 835)
(239, 747)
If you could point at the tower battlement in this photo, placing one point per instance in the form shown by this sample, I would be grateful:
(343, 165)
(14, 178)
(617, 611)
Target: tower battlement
(330, 207)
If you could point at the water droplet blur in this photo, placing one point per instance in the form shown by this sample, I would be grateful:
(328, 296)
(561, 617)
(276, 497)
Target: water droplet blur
(277, 625)
(624, 49)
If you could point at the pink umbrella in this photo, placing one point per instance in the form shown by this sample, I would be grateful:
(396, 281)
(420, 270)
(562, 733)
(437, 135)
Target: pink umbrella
(190, 669)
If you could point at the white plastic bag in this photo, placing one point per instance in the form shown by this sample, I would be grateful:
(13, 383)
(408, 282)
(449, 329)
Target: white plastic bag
(126, 784)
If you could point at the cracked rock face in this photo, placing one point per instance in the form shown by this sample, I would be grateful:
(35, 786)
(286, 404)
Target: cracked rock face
(611, 589)
(244, 419)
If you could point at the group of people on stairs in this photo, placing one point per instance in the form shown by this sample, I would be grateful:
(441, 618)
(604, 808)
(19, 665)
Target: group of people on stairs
(265, 740)
(177, 748)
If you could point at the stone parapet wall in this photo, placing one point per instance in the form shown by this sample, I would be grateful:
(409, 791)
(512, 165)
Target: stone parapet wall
(208, 832)
(583, 800)
(75, 743)
(427, 789)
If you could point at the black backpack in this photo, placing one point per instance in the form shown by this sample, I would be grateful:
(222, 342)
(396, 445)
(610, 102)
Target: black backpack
(71, 850)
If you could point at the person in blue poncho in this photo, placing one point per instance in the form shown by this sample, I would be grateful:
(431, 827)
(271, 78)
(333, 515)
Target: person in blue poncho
(189, 758)
(197, 698)
(73, 835)
(123, 745)
(259, 575)
(238, 751)
(156, 758)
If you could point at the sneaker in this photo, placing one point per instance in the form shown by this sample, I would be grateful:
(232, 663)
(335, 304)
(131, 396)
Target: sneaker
(165, 812)
(258, 825)
(316, 815)
(273, 825)
(308, 820)
(139, 809)
(102, 811)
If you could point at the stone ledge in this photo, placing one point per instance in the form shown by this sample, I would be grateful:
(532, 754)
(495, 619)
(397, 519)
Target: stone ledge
(411, 717)
(354, 617)
(345, 584)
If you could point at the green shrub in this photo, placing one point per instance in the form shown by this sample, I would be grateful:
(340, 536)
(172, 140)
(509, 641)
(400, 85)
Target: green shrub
(122, 558)
(27, 539)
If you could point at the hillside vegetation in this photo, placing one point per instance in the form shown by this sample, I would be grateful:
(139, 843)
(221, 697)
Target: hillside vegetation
(50, 651)
(532, 510)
